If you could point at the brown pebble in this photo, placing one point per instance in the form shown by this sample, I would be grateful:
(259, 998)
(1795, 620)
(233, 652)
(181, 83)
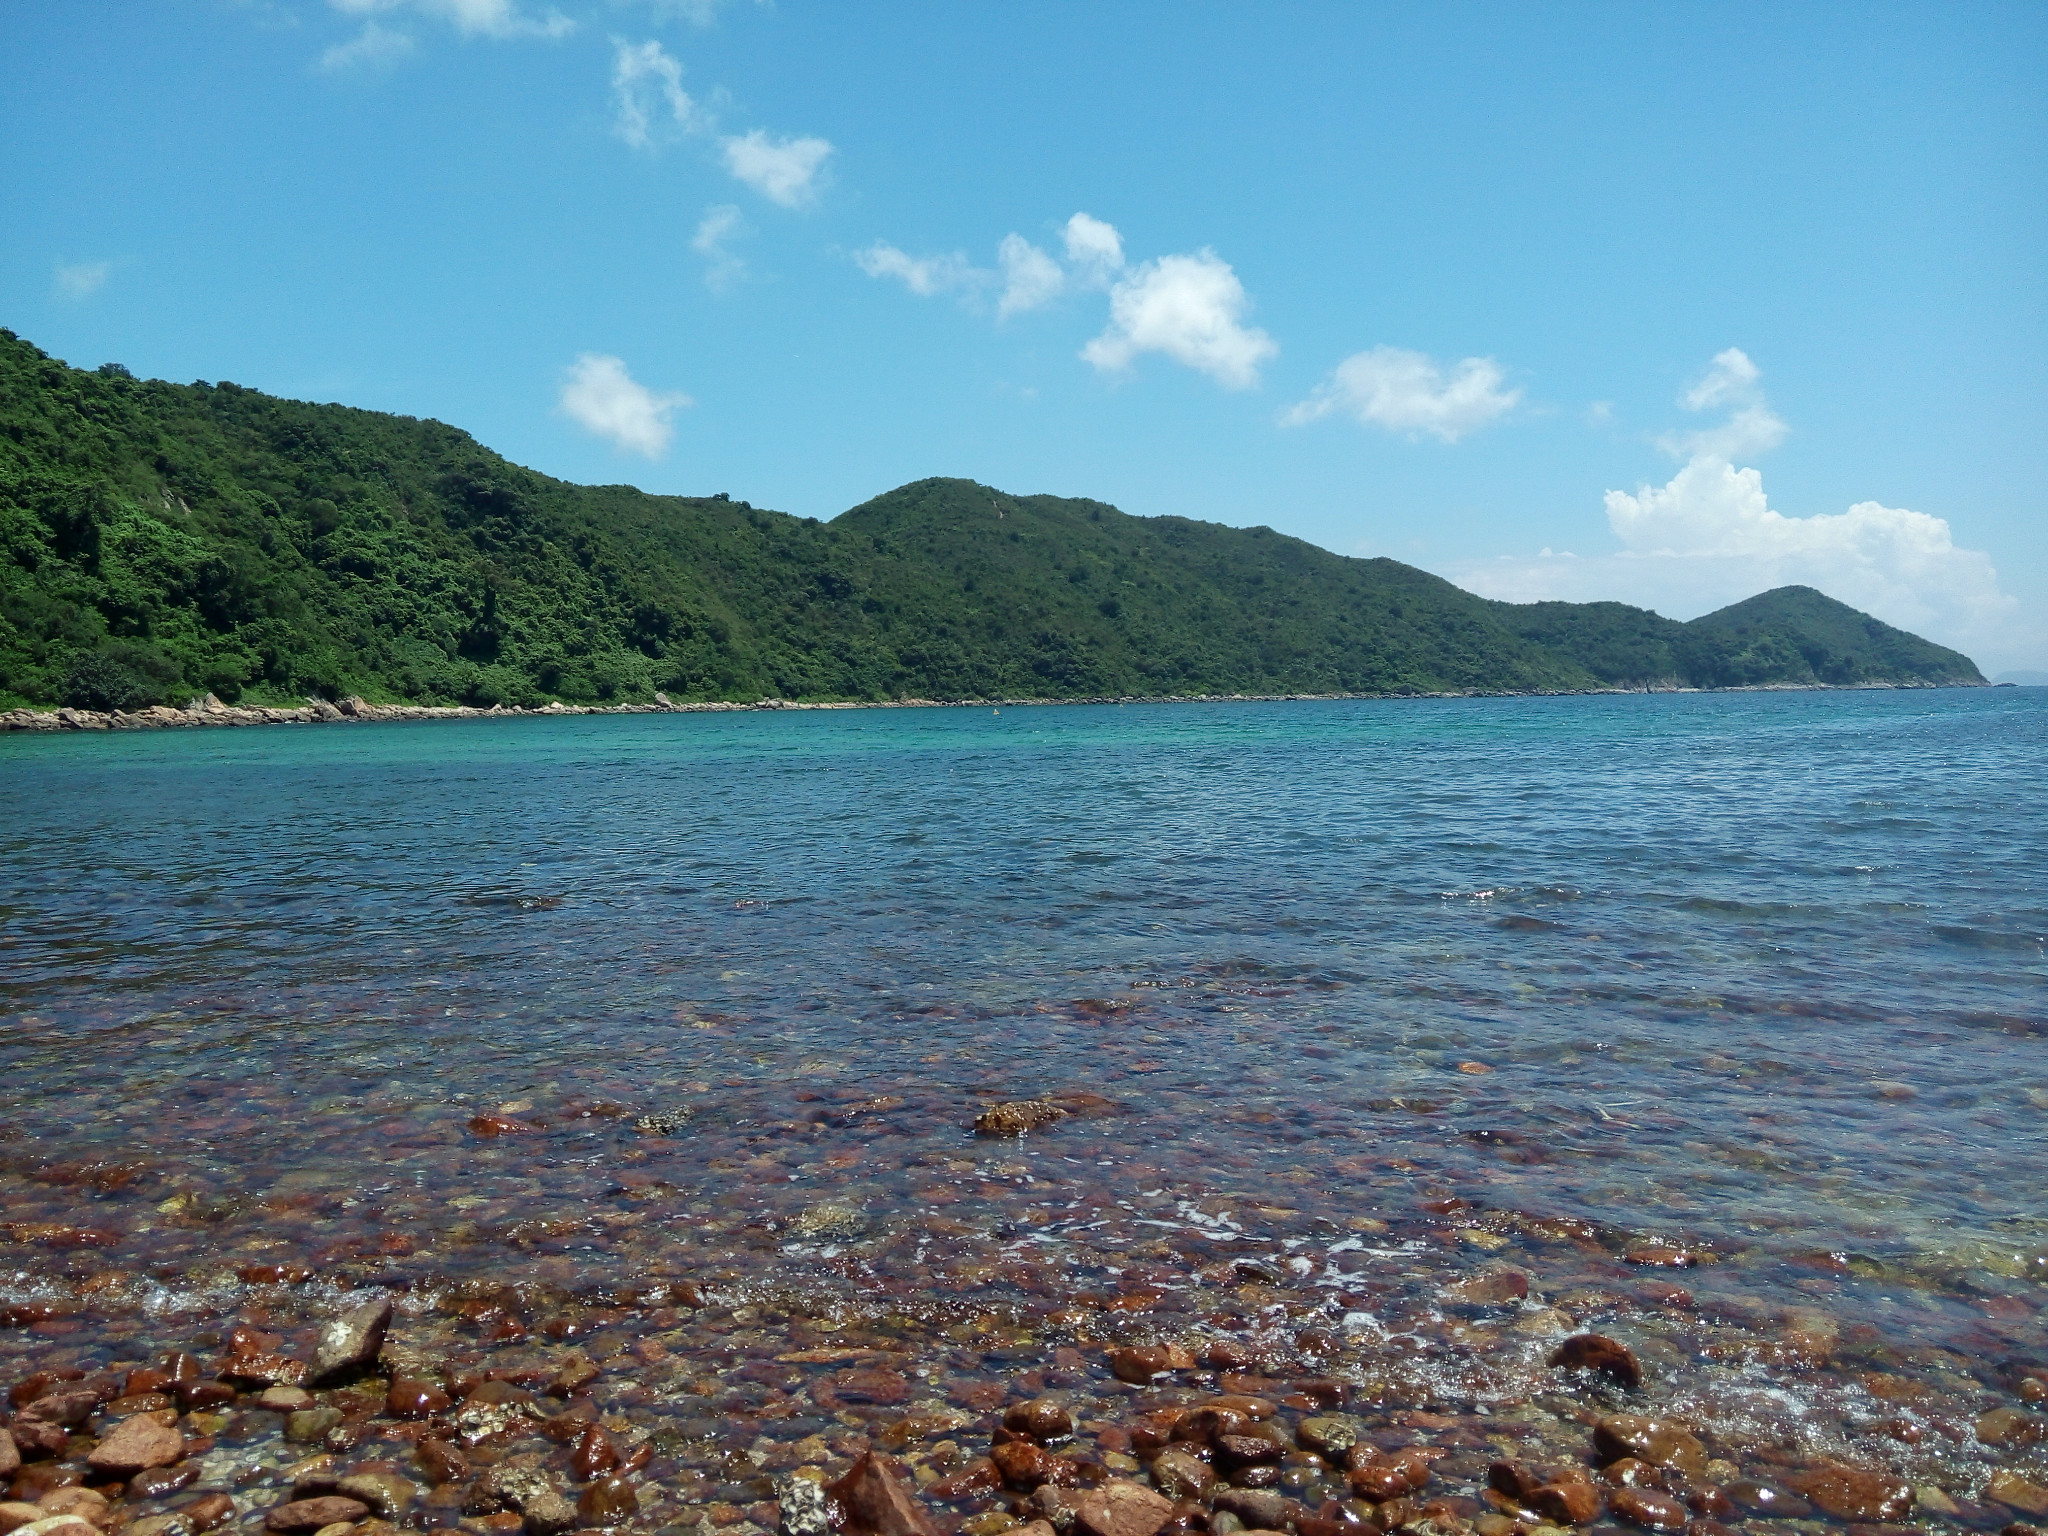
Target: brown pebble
(1017, 1118)
(572, 1375)
(1181, 1474)
(409, 1398)
(309, 1515)
(1121, 1508)
(1854, 1493)
(1661, 1256)
(1567, 1502)
(977, 1477)
(33, 1438)
(608, 1501)
(1655, 1511)
(2009, 1426)
(86, 1503)
(68, 1407)
(594, 1456)
(209, 1510)
(1658, 1442)
(1496, 1288)
(161, 1482)
(10, 1455)
(1140, 1364)
(441, 1462)
(1027, 1465)
(1515, 1479)
(1597, 1352)
(136, 1445)
(497, 1125)
(1042, 1419)
(285, 1399)
(140, 1402)
(265, 1370)
(15, 1513)
(879, 1386)
(2016, 1492)
(878, 1500)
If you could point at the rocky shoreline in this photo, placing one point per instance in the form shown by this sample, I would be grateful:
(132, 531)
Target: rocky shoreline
(682, 1411)
(210, 711)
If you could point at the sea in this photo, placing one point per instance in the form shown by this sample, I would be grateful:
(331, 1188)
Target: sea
(1387, 1043)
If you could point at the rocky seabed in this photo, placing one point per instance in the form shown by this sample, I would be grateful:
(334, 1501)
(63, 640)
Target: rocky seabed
(692, 1409)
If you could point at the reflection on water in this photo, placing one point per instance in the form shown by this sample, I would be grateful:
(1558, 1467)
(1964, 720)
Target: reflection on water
(1717, 1020)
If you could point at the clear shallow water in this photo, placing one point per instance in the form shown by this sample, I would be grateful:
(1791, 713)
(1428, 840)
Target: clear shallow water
(1365, 998)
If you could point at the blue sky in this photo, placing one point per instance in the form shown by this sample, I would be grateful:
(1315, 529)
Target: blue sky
(1695, 299)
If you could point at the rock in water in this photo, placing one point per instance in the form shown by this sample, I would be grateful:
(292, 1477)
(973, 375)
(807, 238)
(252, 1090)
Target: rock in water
(1656, 1442)
(1654, 1511)
(608, 1501)
(878, 1501)
(350, 1342)
(1597, 1352)
(136, 1445)
(804, 1511)
(312, 1514)
(666, 1123)
(1121, 1508)
(1017, 1117)
(1854, 1493)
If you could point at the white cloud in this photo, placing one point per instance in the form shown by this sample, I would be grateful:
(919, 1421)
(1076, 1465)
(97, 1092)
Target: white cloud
(647, 84)
(723, 266)
(375, 47)
(472, 18)
(1190, 308)
(698, 13)
(1734, 382)
(922, 275)
(1030, 277)
(1709, 537)
(784, 171)
(81, 280)
(601, 396)
(1094, 248)
(1408, 392)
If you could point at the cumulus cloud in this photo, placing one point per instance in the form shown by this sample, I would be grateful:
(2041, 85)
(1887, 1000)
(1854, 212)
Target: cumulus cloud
(1189, 308)
(922, 275)
(723, 266)
(602, 397)
(472, 18)
(647, 85)
(375, 47)
(785, 171)
(1030, 277)
(1734, 383)
(1094, 248)
(1709, 537)
(1408, 392)
(81, 280)
(698, 13)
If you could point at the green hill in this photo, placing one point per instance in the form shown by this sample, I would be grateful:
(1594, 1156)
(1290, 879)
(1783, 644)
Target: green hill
(161, 539)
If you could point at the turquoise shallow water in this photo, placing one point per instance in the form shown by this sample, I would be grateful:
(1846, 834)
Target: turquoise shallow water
(1370, 991)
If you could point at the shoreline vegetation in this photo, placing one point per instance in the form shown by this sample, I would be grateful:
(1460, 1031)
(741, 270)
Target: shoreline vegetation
(210, 711)
(160, 542)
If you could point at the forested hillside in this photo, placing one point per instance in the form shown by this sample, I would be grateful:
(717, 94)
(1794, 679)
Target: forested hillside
(158, 540)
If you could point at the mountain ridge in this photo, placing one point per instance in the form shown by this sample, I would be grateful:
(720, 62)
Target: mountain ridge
(161, 540)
